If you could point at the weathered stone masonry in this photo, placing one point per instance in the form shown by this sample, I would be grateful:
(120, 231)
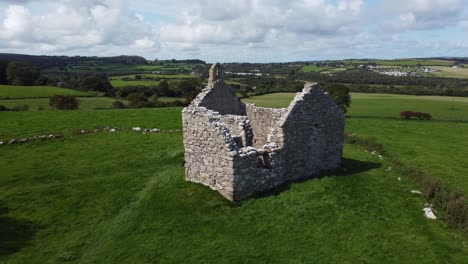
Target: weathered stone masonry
(239, 149)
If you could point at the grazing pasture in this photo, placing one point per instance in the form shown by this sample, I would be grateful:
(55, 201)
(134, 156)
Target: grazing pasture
(450, 72)
(13, 92)
(121, 198)
(404, 62)
(122, 83)
(312, 68)
(86, 103)
(22, 124)
(161, 76)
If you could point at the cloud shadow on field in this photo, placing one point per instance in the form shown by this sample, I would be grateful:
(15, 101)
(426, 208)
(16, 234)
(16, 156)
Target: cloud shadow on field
(15, 234)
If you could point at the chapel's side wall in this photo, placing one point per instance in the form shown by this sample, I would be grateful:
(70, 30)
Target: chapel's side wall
(313, 134)
(250, 179)
(207, 148)
(265, 124)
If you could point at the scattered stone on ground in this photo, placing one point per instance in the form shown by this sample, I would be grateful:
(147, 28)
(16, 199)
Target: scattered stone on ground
(416, 192)
(428, 213)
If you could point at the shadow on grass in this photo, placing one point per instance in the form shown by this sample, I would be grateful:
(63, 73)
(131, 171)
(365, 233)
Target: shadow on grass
(348, 168)
(14, 233)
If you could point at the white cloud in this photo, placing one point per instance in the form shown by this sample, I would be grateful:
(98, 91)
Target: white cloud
(423, 14)
(72, 25)
(243, 22)
(234, 30)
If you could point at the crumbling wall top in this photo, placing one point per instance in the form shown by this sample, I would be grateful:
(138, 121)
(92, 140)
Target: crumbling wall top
(216, 73)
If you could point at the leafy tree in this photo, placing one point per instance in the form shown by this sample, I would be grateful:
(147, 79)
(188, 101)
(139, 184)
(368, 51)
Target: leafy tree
(96, 83)
(3, 76)
(340, 94)
(64, 102)
(22, 73)
(137, 100)
(45, 81)
(189, 88)
(163, 88)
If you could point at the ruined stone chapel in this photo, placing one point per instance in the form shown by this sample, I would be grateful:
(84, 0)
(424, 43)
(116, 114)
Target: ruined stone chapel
(240, 150)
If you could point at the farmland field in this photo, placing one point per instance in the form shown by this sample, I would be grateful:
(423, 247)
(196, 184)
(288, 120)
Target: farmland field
(405, 62)
(312, 68)
(162, 76)
(451, 72)
(9, 91)
(121, 197)
(86, 103)
(121, 83)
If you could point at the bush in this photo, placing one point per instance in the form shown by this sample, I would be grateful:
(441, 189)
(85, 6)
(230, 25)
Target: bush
(407, 114)
(137, 100)
(64, 102)
(154, 98)
(118, 105)
(418, 115)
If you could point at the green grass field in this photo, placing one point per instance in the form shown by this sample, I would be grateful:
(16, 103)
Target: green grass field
(9, 91)
(122, 83)
(450, 72)
(121, 197)
(86, 103)
(312, 68)
(405, 62)
(82, 206)
(162, 76)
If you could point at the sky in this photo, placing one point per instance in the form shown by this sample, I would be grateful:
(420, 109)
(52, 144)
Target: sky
(236, 30)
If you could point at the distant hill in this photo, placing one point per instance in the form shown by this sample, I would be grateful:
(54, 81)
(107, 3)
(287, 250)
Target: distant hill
(43, 61)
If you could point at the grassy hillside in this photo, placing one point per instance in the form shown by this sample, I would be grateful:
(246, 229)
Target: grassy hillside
(9, 91)
(82, 206)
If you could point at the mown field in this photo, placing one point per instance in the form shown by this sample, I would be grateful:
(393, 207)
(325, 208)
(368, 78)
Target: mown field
(121, 197)
(122, 83)
(450, 72)
(161, 76)
(86, 103)
(404, 62)
(312, 68)
(12, 92)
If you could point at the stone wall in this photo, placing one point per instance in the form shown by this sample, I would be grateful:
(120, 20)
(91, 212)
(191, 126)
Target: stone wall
(207, 150)
(219, 97)
(240, 150)
(313, 132)
(264, 123)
